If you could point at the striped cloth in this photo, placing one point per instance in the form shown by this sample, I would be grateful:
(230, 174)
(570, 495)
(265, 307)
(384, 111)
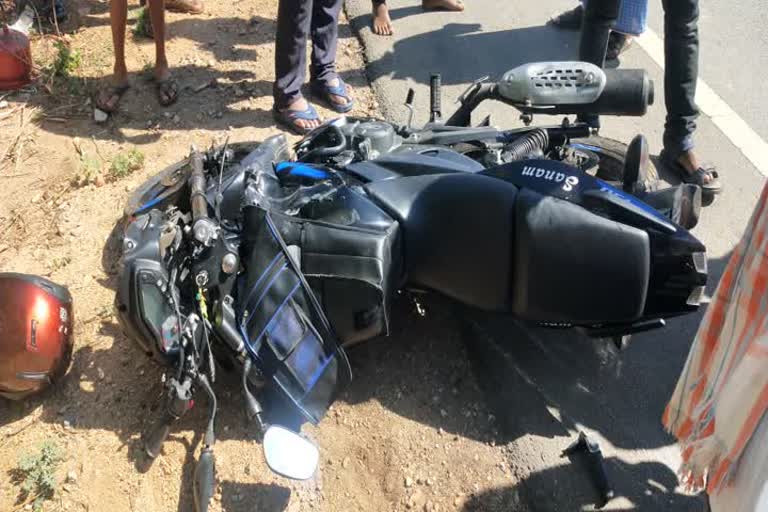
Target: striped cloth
(722, 394)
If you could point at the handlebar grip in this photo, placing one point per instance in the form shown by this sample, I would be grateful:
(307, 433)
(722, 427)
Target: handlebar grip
(435, 85)
(410, 96)
(205, 480)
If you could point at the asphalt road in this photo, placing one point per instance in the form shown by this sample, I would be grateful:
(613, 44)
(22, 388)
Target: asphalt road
(546, 385)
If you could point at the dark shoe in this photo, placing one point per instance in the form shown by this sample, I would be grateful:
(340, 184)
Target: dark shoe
(618, 43)
(569, 20)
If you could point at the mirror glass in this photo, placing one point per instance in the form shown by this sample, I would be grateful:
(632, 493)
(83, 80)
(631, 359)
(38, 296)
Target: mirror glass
(288, 454)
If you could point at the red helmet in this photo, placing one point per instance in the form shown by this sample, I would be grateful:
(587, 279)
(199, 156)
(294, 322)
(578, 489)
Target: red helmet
(35, 333)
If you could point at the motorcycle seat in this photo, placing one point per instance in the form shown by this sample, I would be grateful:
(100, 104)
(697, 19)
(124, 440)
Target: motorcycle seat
(458, 232)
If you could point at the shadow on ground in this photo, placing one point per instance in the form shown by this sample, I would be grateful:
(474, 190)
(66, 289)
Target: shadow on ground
(480, 53)
(656, 486)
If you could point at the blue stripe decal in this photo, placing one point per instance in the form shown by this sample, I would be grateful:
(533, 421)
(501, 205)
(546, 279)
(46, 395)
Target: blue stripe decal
(605, 187)
(316, 375)
(277, 312)
(261, 277)
(264, 293)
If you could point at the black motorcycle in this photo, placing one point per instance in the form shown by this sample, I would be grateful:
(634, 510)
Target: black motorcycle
(258, 260)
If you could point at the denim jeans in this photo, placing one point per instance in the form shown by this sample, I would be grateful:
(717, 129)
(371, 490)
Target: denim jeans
(681, 64)
(681, 61)
(297, 20)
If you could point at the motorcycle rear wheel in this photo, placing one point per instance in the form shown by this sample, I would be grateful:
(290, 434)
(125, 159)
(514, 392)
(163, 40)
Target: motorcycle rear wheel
(611, 158)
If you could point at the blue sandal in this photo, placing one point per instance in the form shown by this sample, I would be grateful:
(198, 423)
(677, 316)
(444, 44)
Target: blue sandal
(287, 118)
(322, 91)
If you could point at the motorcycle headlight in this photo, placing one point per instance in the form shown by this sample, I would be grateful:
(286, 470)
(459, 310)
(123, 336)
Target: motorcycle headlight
(158, 313)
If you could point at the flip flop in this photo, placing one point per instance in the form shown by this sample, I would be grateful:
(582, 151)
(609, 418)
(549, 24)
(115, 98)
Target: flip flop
(287, 119)
(698, 177)
(167, 91)
(322, 91)
(113, 91)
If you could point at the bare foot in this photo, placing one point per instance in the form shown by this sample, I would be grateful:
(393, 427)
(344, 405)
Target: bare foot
(442, 5)
(300, 105)
(108, 97)
(691, 164)
(382, 24)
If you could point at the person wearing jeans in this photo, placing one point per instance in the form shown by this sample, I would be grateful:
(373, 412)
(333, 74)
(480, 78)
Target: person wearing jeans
(681, 56)
(296, 20)
(632, 21)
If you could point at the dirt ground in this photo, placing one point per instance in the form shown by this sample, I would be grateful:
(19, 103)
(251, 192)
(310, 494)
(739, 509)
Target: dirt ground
(412, 433)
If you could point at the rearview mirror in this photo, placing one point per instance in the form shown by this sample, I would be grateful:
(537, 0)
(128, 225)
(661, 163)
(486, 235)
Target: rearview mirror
(288, 454)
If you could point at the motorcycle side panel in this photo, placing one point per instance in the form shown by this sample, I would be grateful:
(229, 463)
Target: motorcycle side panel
(572, 266)
(286, 332)
(351, 255)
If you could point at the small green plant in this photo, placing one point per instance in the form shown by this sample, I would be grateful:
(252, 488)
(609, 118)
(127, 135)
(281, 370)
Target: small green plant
(36, 472)
(66, 61)
(89, 169)
(143, 26)
(125, 164)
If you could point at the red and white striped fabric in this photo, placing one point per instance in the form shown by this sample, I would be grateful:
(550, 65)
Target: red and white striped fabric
(722, 394)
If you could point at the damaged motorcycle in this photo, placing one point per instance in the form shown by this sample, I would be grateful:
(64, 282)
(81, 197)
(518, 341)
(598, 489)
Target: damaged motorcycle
(255, 259)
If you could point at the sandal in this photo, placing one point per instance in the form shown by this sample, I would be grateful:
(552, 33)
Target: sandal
(167, 91)
(698, 177)
(322, 91)
(113, 93)
(287, 118)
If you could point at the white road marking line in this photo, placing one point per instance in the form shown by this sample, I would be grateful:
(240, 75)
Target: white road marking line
(754, 148)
